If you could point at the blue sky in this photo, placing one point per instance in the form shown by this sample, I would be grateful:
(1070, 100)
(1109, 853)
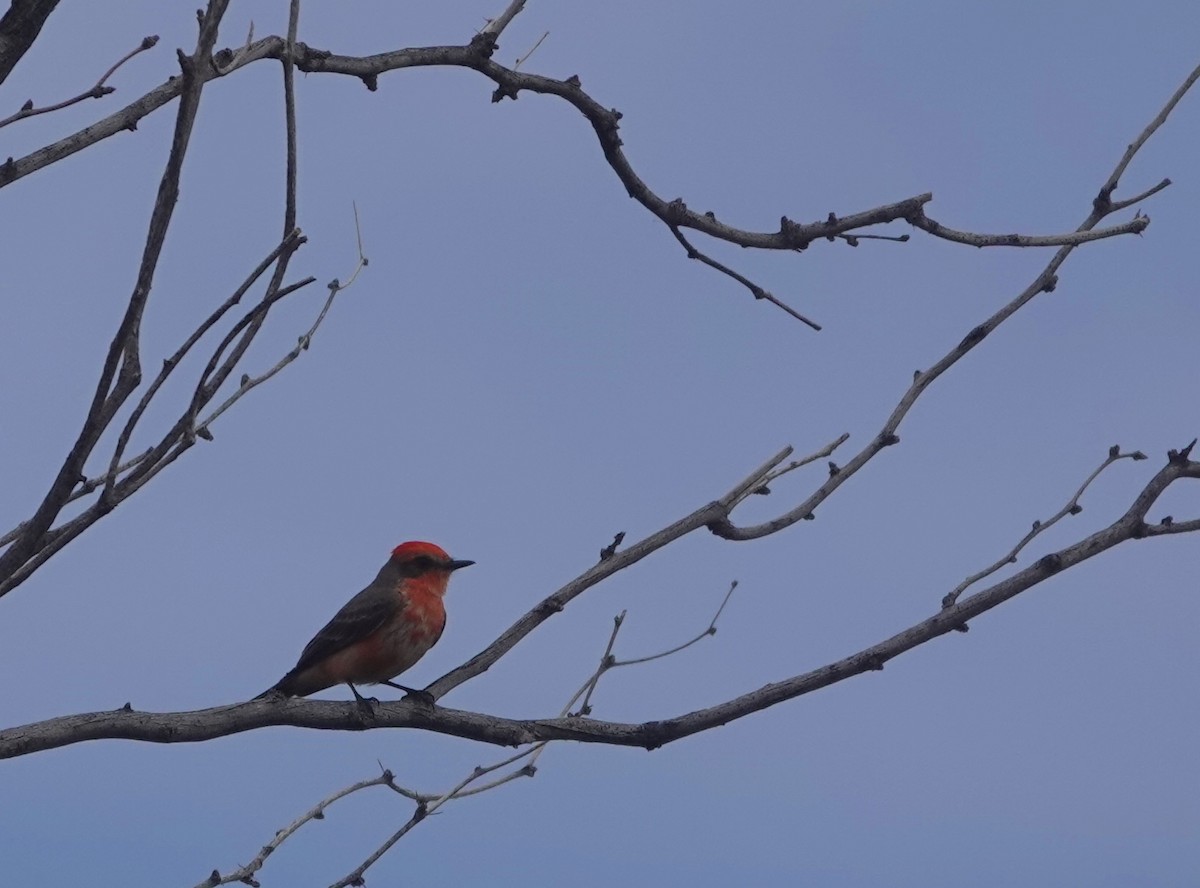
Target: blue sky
(530, 364)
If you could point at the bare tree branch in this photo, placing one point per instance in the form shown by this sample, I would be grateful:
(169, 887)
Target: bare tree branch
(27, 551)
(248, 382)
(97, 91)
(1138, 198)
(427, 802)
(122, 372)
(606, 567)
(1045, 282)
(423, 810)
(1136, 225)
(825, 451)
(244, 874)
(205, 724)
(19, 28)
(1071, 508)
(496, 26)
(608, 661)
(523, 59)
(29, 545)
(675, 214)
(755, 290)
(126, 120)
(1103, 204)
(292, 242)
(134, 474)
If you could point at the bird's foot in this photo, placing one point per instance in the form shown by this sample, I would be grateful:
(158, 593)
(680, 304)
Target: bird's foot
(366, 705)
(424, 698)
(414, 694)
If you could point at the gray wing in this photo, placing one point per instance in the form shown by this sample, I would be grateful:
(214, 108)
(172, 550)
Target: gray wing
(359, 617)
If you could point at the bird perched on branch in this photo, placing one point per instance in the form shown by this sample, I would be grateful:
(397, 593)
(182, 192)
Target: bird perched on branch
(381, 631)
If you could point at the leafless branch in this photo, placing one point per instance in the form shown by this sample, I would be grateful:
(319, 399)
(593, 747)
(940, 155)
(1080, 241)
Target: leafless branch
(292, 242)
(122, 372)
(235, 58)
(133, 474)
(755, 290)
(184, 727)
(97, 91)
(1136, 225)
(1071, 508)
(496, 26)
(1103, 204)
(87, 487)
(119, 483)
(608, 661)
(1138, 198)
(620, 560)
(35, 540)
(289, 111)
(605, 122)
(19, 28)
(523, 59)
(355, 877)
(245, 874)
(1045, 282)
(711, 629)
(248, 382)
(427, 804)
(825, 451)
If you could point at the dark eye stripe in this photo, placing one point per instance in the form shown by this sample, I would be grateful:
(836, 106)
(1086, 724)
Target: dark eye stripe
(420, 564)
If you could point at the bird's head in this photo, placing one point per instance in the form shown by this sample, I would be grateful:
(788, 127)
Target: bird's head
(420, 559)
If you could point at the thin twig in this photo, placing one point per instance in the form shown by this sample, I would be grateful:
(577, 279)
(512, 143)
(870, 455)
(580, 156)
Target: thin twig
(607, 663)
(289, 113)
(620, 560)
(428, 803)
(355, 876)
(239, 57)
(853, 239)
(525, 771)
(121, 373)
(221, 721)
(606, 659)
(1045, 281)
(85, 488)
(275, 290)
(98, 90)
(292, 242)
(755, 290)
(1135, 225)
(136, 473)
(1103, 203)
(605, 121)
(1138, 198)
(523, 59)
(245, 873)
(1071, 508)
(825, 451)
(710, 630)
(248, 382)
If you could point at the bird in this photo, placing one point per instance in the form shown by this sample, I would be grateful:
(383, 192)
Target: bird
(381, 631)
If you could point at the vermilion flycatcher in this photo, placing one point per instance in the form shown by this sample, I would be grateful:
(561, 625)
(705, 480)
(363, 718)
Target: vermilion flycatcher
(382, 630)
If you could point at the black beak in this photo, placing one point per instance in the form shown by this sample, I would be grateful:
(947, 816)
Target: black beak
(455, 565)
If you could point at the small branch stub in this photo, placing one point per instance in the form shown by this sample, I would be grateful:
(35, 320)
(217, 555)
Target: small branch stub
(611, 549)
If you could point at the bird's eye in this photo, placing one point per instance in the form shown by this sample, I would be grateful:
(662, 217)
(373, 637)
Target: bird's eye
(423, 561)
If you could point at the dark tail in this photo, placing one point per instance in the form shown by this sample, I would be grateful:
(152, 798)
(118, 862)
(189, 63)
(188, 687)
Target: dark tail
(281, 688)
